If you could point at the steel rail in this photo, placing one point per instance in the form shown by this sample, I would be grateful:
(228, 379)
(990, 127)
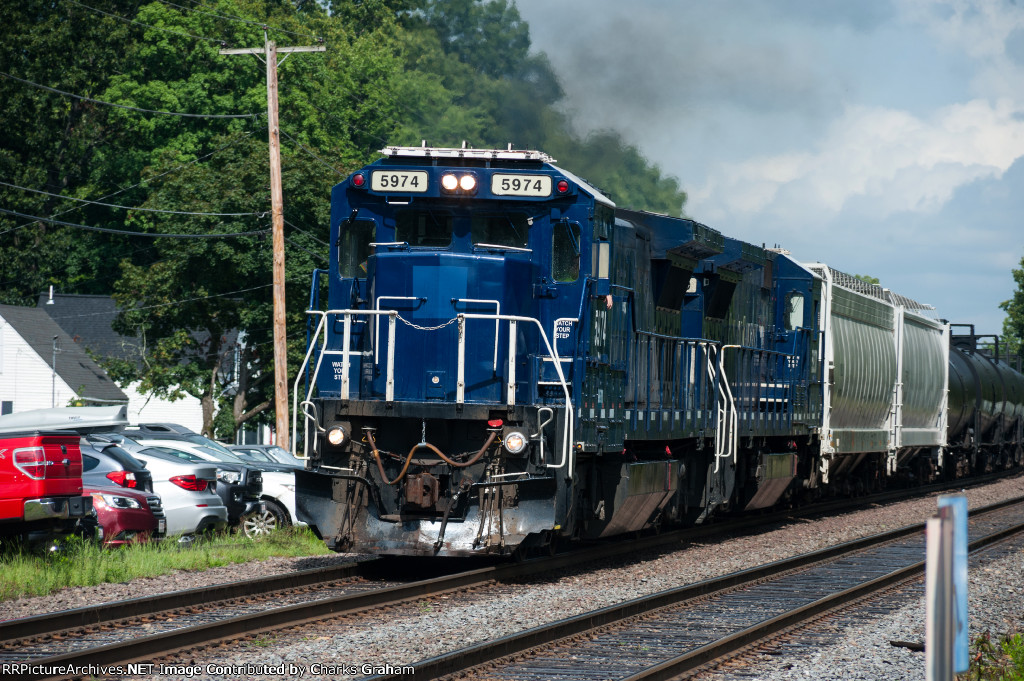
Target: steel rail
(518, 644)
(167, 643)
(63, 620)
(733, 643)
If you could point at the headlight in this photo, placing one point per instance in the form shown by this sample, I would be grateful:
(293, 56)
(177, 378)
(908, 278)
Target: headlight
(230, 477)
(462, 184)
(336, 435)
(114, 501)
(515, 442)
(449, 182)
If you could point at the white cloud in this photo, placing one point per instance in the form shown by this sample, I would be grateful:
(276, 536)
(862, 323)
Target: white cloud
(892, 159)
(979, 28)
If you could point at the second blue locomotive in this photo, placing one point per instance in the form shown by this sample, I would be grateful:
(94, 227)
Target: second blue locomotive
(505, 360)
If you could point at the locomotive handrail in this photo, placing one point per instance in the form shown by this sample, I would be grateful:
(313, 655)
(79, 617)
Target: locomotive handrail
(322, 326)
(566, 460)
(497, 310)
(727, 445)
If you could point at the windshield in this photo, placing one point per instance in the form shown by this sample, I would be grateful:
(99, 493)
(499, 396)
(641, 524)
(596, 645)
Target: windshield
(284, 456)
(167, 453)
(432, 228)
(502, 229)
(210, 444)
(216, 454)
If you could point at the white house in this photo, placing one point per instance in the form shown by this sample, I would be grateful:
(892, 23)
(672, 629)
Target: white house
(87, 320)
(41, 366)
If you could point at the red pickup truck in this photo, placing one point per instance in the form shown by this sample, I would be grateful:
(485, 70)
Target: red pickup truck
(41, 484)
(41, 471)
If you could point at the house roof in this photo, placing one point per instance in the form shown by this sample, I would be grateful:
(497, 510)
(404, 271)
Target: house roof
(87, 319)
(73, 365)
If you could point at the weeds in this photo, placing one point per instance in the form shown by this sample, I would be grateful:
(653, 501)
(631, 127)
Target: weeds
(37, 572)
(997, 661)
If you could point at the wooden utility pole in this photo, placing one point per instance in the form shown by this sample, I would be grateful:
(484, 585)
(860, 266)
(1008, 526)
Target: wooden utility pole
(270, 52)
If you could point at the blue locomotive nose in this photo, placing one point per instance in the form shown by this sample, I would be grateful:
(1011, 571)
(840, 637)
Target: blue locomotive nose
(428, 292)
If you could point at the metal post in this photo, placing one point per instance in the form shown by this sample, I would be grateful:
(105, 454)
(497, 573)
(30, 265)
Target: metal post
(53, 377)
(938, 598)
(957, 503)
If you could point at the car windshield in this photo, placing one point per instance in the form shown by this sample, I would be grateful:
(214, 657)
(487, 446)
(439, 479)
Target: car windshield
(255, 455)
(210, 444)
(216, 454)
(168, 453)
(284, 456)
(126, 460)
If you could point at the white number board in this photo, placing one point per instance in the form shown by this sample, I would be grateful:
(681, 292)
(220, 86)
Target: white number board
(408, 181)
(521, 185)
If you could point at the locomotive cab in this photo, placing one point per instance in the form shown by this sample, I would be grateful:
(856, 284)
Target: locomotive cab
(443, 364)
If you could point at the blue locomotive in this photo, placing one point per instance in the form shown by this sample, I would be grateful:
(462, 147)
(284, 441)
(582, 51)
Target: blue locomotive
(505, 360)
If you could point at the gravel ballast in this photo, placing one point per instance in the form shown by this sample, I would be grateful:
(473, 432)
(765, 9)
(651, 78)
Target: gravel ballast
(411, 633)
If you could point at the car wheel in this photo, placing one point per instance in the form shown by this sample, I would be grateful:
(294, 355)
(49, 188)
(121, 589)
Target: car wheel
(262, 523)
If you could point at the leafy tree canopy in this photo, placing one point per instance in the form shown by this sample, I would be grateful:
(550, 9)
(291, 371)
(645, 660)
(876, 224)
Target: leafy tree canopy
(395, 72)
(1013, 325)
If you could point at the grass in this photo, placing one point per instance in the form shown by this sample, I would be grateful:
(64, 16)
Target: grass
(26, 572)
(997, 661)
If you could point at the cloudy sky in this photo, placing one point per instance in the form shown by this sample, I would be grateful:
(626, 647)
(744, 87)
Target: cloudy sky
(884, 137)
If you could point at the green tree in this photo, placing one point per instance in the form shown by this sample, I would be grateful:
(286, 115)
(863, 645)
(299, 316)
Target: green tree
(203, 306)
(1013, 324)
(469, 76)
(868, 279)
(395, 71)
(55, 144)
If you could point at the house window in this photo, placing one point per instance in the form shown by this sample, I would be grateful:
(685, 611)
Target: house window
(6, 407)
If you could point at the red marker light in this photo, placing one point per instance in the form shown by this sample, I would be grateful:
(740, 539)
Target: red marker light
(562, 186)
(358, 180)
(495, 423)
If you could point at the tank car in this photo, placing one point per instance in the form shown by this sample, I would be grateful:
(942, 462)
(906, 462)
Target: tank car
(986, 405)
(506, 360)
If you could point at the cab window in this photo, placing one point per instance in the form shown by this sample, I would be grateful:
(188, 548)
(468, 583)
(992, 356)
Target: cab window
(794, 310)
(428, 228)
(506, 229)
(354, 239)
(565, 251)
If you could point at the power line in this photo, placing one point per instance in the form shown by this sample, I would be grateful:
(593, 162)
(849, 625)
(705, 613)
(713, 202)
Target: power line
(139, 23)
(230, 143)
(309, 234)
(310, 152)
(114, 205)
(152, 235)
(319, 256)
(124, 106)
(174, 302)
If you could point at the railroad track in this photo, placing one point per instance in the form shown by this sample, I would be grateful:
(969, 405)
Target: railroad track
(681, 631)
(149, 628)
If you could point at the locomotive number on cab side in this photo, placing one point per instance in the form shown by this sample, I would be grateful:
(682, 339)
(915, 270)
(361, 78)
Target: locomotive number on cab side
(520, 185)
(398, 181)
